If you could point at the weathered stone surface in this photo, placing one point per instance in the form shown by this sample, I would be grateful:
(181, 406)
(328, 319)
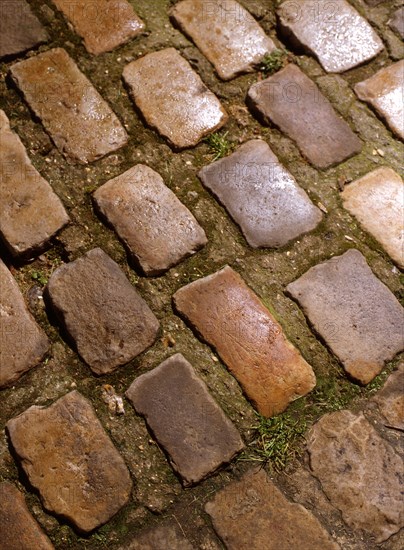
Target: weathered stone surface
(294, 103)
(333, 31)
(23, 342)
(163, 537)
(172, 98)
(71, 461)
(377, 201)
(359, 472)
(397, 22)
(356, 314)
(225, 33)
(30, 212)
(157, 228)
(230, 317)
(18, 529)
(103, 25)
(261, 195)
(102, 312)
(80, 122)
(254, 513)
(185, 419)
(390, 399)
(384, 91)
(20, 30)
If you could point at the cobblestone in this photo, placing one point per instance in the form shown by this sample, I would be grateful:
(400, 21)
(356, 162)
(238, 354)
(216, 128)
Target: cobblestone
(390, 399)
(163, 537)
(20, 30)
(397, 22)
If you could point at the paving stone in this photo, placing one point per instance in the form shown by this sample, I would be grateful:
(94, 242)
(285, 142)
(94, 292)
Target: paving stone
(291, 101)
(104, 25)
(261, 195)
(80, 122)
(397, 22)
(377, 201)
(107, 319)
(384, 91)
(390, 399)
(30, 212)
(172, 98)
(357, 315)
(70, 460)
(230, 317)
(359, 472)
(254, 513)
(20, 30)
(23, 342)
(18, 529)
(185, 419)
(226, 34)
(156, 227)
(163, 537)
(333, 31)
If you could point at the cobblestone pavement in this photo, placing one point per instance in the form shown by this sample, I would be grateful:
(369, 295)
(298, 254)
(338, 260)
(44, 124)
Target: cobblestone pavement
(201, 222)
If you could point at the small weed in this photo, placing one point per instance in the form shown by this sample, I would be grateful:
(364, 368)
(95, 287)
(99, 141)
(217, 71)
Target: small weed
(219, 145)
(39, 277)
(272, 62)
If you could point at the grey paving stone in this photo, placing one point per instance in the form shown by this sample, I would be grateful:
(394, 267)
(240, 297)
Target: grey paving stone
(397, 22)
(107, 319)
(179, 106)
(359, 472)
(254, 513)
(390, 399)
(230, 317)
(30, 212)
(261, 195)
(156, 227)
(384, 92)
(81, 124)
(163, 537)
(377, 201)
(185, 419)
(357, 315)
(333, 31)
(20, 30)
(292, 101)
(71, 461)
(23, 342)
(226, 34)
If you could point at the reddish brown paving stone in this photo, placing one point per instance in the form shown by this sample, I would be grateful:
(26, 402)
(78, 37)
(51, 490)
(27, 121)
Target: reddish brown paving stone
(23, 342)
(163, 537)
(225, 33)
(261, 195)
(293, 102)
(80, 122)
(18, 529)
(185, 419)
(172, 98)
(230, 317)
(397, 22)
(359, 318)
(71, 461)
(390, 399)
(30, 212)
(254, 513)
(104, 25)
(107, 319)
(157, 228)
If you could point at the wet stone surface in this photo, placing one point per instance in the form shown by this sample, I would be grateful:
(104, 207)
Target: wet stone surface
(397, 22)
(81, 124)
(359, 318)
(230, 317)
(390, 399)
(164, 537)
(292, 101)
(157, 228)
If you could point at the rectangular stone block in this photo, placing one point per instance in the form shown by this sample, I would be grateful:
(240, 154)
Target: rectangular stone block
(185, 419)
(81, 124)
(155, 226)
(180, 107)
(292, 101)
(20, 30)
(229, 316)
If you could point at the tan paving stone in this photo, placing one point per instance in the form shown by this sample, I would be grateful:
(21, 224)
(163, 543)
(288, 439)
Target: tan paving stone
(230, 317)
(30, 212)
(172, 98)
(292, 101)
(156, 227)
(104, 24)
(397, 22)
(390, 398)
(377, 201)
(71, 461)
(20, 30)
(384, 91)
(80, 122)
(226, 34)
